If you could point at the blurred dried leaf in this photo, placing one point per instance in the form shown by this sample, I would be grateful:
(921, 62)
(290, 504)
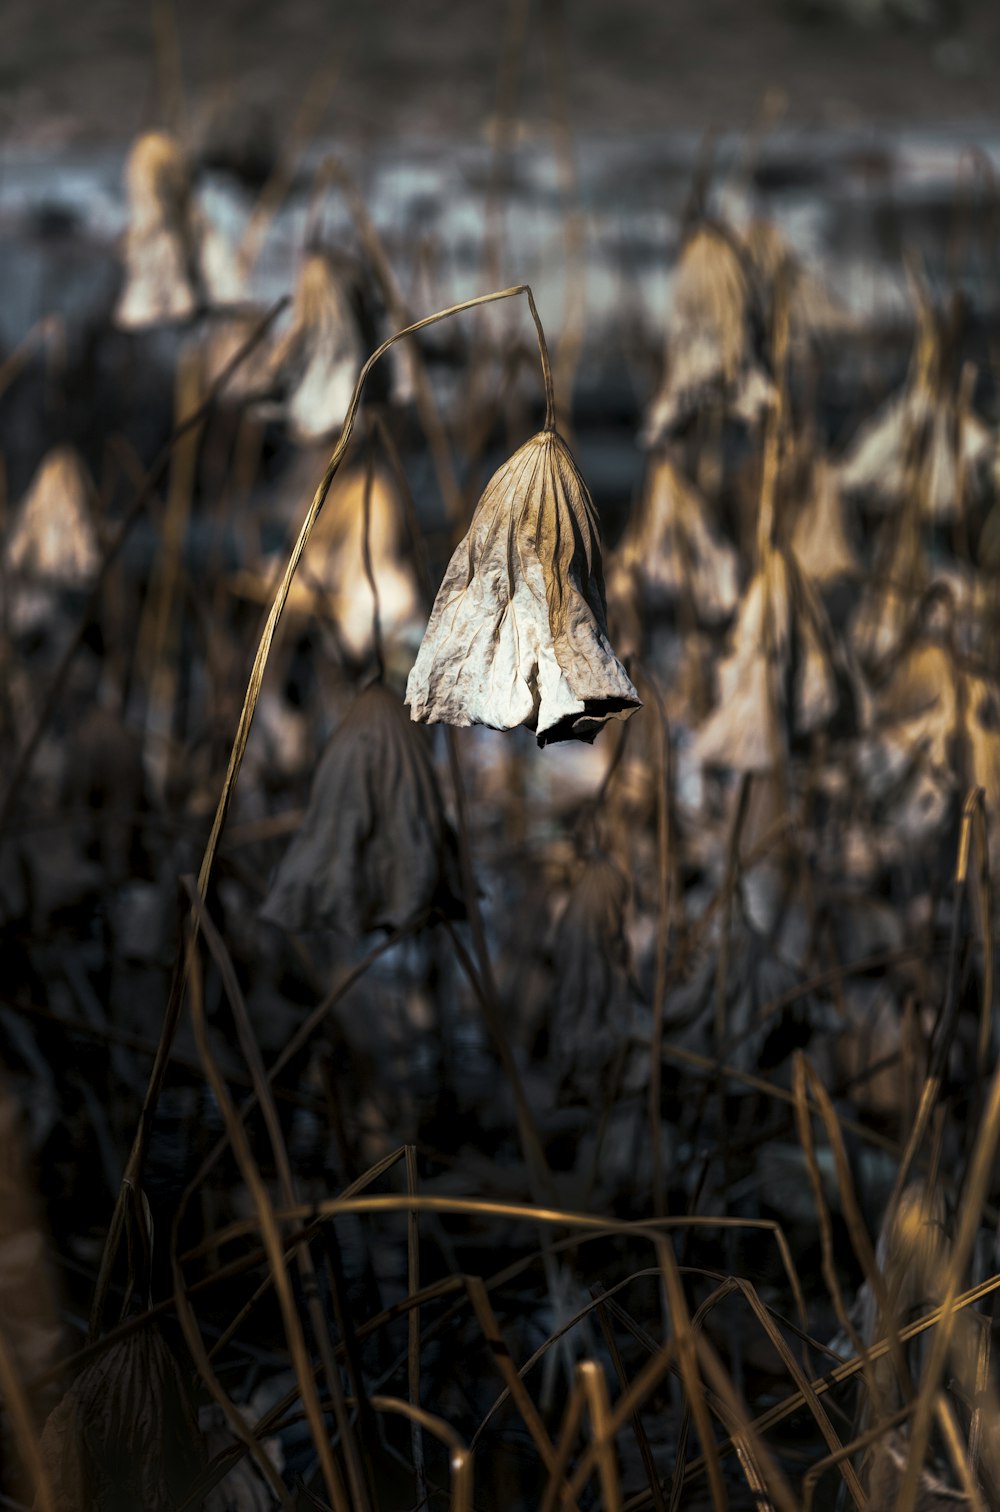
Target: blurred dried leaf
(819, 536)
(876, 462)
(332, 579)
(317, 362)
(52, 542)
(781, 668)
(924, 440)
(374, 849)
(162, 280)
(711, 356)
(673, 548)
(812, 313)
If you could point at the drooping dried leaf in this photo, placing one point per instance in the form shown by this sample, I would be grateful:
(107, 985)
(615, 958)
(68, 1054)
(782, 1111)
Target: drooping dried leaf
(331, 580)
(374, 849)
(673, 548)
(812, 313)
(876, 464)
(937, 720)
(518, 634)
(819, 536)
(53, 537)
(923, 441)
(780, 678)
(711, 356)
(920, 700)
(317, 362)
(124, 1435)
(162, 280)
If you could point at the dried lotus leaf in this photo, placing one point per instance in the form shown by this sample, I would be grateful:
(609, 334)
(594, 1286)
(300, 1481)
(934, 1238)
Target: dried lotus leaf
(332, 580)
(318, 360)
(878, 463)
(673, 548)
(780, 678)
(124, 1435)
(374, 849)
(710, 339)
(161, 241)
(53, 538)
(518, 632)
(885, 1468)
(924, 442)
(812, 312)
(819, 536)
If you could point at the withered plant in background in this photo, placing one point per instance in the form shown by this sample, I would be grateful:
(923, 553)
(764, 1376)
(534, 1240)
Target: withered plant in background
(674, 550)
(163, 275)
(316, 362)
(712, 356)
(375, 849)
(52, 546)
(930, 426)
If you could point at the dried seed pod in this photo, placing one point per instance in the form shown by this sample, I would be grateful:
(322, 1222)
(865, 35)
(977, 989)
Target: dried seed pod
(375, 849)
(780, 678)
(590, 993)
(317, 361)
(672, 547)
(124, 1435)
(53, 538)
(518, 632)
(162, 280)
(711, 356)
